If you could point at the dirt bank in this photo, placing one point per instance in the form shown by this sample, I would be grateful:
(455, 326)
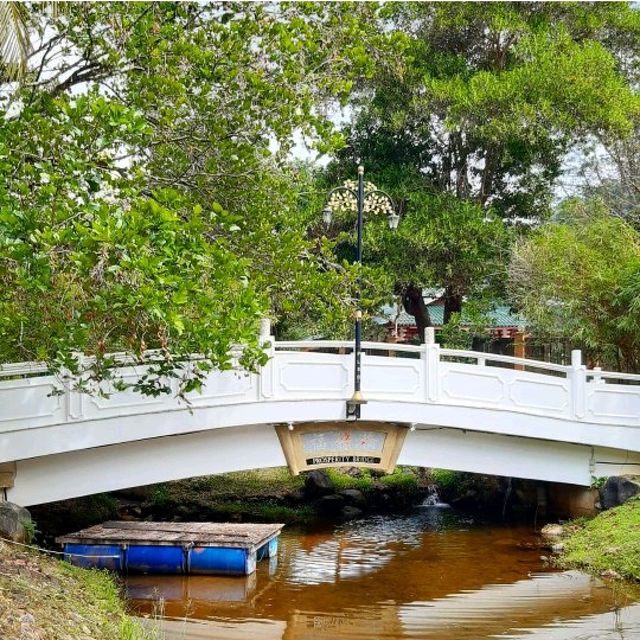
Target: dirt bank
(42, 598)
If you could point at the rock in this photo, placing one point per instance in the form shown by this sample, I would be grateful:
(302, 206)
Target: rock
(330, 505)
(552, 531)
(354, 472)
(15, 522)
(380, 497)
(354, 497)
(467, 502)
(617, 490)
(612, 551)
(27, 618)
(610, 573)
(126, 517)
(558, 547)
(544, 558)
(349, 513)
(296, 496)
(317, 483)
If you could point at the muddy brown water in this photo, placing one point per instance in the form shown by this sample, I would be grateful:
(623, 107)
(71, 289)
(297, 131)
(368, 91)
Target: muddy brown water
(431, 575)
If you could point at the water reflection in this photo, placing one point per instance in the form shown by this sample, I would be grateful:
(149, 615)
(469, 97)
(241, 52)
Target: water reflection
(429, 576)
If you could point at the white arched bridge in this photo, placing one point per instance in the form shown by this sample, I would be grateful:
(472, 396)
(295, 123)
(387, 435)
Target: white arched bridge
(427, 406)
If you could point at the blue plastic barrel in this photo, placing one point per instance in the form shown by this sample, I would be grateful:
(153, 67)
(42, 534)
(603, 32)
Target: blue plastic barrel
(98, 556)
(155, 559)
(268, 550)
(221, 560)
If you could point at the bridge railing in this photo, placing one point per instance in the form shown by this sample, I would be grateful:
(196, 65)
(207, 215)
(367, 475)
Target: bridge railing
(30, 396)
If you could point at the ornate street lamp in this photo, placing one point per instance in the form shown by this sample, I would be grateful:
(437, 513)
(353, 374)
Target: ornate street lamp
(372, 199)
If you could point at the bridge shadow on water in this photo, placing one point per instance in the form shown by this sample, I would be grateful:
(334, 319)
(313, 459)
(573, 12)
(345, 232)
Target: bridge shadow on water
(432, 575)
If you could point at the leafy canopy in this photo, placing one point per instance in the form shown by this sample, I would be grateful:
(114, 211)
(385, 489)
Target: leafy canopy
(580, 279)
(145, 202)
(469, 125)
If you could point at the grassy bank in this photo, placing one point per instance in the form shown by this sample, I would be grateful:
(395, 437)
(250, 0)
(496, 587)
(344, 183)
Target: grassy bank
(261, 495)
(268, 495)
(45, 599)
(608, 543)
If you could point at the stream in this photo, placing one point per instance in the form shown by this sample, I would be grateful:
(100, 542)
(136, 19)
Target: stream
(431, 575)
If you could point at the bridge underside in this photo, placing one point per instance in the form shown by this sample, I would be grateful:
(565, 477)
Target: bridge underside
(107, 468)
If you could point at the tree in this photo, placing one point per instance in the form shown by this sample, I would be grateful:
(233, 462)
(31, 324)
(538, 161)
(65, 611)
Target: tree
(480, 110)
(142, 204)
(579, 279)
(609, 171)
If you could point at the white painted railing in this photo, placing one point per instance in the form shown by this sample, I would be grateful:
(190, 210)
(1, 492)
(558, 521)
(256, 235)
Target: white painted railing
(323, 370)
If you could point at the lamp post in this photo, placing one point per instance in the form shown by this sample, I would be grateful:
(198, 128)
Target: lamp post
(360, 195)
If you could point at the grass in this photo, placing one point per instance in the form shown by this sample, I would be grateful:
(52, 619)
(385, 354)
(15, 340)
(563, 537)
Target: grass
(610, 541)
(260, 483)
(400, 479)
(259, 495)
(447, 480)
(41, 597)
(340, 481)
(267, 495)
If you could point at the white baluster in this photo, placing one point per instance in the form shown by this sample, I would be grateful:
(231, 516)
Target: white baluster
(73, 396)
(431, 357)
(267, 374)
(577, 384)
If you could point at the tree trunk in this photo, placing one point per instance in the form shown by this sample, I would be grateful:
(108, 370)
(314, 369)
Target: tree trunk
(452, 303)
(414, 305)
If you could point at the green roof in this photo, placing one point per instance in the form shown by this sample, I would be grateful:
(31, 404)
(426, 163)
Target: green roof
(499, 316)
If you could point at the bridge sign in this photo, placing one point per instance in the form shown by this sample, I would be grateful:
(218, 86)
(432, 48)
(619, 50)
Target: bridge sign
(329, 444)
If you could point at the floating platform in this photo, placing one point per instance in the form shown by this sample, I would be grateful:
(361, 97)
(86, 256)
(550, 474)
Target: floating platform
(172, 547)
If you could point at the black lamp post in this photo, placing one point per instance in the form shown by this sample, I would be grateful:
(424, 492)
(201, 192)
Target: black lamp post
(353, 405)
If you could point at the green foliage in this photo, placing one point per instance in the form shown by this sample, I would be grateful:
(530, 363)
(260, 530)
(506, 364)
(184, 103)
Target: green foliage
(467, 125)
(450, 481)
(401, 480)
(160, 498)
(340, 481)
(457, 334)
(145, 202)
(442, 240)
(580, 279)
(508, 88)
(609, 541)
(31, 530)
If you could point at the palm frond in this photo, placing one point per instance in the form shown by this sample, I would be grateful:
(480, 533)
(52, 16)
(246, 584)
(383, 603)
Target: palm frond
(14, 39)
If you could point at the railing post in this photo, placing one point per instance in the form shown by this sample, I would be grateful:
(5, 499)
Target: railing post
(578, 378)
(431, 357)
(267, 375)
(73, 396)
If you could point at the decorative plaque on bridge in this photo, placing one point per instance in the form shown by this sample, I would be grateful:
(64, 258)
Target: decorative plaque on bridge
(335, 444)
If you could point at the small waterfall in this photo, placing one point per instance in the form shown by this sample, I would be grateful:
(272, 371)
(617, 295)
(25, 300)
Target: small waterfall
(433, 499)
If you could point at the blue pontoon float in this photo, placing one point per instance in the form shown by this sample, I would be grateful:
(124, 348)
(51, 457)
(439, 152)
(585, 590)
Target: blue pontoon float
(172, 547)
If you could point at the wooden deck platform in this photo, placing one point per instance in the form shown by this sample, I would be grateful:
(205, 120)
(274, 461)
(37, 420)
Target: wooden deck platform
(173, 547)
(204, 534)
